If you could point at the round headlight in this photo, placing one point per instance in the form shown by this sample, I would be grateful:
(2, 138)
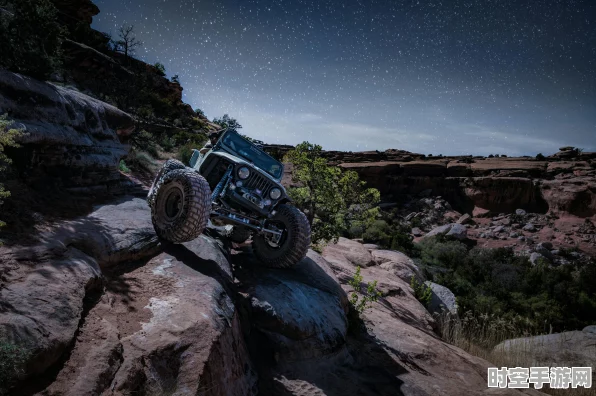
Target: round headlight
(243, 173)
(275, 193)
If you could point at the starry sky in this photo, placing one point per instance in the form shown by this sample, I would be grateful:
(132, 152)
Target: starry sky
(514, 77)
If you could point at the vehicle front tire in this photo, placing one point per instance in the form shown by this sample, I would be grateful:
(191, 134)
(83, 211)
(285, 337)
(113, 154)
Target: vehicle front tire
(294, 243)
(182, 206)
(168, 166)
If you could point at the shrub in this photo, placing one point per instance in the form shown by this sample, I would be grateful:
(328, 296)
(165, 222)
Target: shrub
(368, 297)
(540, 157)
(12, 360)
(185, 152)
(161, 69)
(422, 292)
(31, 38)
(499, 282)
(333, 200)
(123, 167)
(8, 138)
(395, 237)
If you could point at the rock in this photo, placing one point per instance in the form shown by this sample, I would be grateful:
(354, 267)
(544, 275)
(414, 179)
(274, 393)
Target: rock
(521, 238)
(397, 263)
(465, 219)
(576, 196)
(371, 246)
(544, 252)
(410, 216)
(71, 139)
(148, 318)
(555, 252)
(441, 298)
(546, 245)
(175, 322)
(513, 235)
(480, 212)
(300, 313)
(68, 260)
(568, 349)
(498, 229)
(417, 232)
(43, 303)
(520, 212)
(535, 257)
(345, 249)
(117, 232)
(454, 230)
(529, 227)
(590, 329)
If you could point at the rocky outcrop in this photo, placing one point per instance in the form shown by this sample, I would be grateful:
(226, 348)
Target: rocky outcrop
(71, 139)
(568, 349)
(453, 230)
(163, 324)
(104, 312)
(79, 10)
(441, 299)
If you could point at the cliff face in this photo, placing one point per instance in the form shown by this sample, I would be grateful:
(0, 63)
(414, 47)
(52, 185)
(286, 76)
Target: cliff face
(70, 139)
(483, 184)
(498, 185)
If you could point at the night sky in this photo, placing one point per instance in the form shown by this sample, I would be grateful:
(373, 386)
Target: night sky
(508, 77)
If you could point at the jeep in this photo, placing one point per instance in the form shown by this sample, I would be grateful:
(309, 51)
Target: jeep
(235, 183)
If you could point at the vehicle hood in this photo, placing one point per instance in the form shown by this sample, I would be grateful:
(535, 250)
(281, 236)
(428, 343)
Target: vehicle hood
(242, 161)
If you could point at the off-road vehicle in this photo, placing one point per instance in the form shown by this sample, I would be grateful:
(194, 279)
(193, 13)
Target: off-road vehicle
(235, 183)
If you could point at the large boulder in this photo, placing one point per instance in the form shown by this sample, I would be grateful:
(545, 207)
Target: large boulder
(394, 352)
(398, 264)
(348, 250)
(299, 314)
(453, 230)
(441, 299)
(166, 324)
(46, 283)
(568, 349)
(70, 138)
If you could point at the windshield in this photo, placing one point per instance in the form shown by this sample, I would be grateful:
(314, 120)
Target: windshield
(242, 147)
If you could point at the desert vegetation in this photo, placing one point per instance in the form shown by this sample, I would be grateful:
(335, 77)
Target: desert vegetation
(333, 200)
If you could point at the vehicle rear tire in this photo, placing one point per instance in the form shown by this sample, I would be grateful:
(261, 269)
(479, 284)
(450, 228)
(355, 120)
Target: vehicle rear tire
(182, 206)
(168, 166)
(294, 243)
(239, 234)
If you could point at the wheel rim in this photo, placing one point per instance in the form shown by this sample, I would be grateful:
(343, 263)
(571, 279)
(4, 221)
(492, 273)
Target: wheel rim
(173, 204)
(170, 204)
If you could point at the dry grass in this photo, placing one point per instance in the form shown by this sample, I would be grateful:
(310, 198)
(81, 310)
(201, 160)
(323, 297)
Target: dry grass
(479, 335)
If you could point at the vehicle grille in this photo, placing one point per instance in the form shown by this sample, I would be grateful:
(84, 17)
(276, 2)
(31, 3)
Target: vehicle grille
(257, 181)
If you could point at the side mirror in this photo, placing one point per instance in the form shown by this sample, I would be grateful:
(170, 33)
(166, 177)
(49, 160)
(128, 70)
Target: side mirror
(194, 157)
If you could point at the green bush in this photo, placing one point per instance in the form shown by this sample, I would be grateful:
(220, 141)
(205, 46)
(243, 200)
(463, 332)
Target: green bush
(161, 69)
(540, 157)
(123, 167)
(12, 360)
(390, 236)
(360, 303)
(185, 152)
(422, 292)
(31, 37)
(498, 282)
(8, 138)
